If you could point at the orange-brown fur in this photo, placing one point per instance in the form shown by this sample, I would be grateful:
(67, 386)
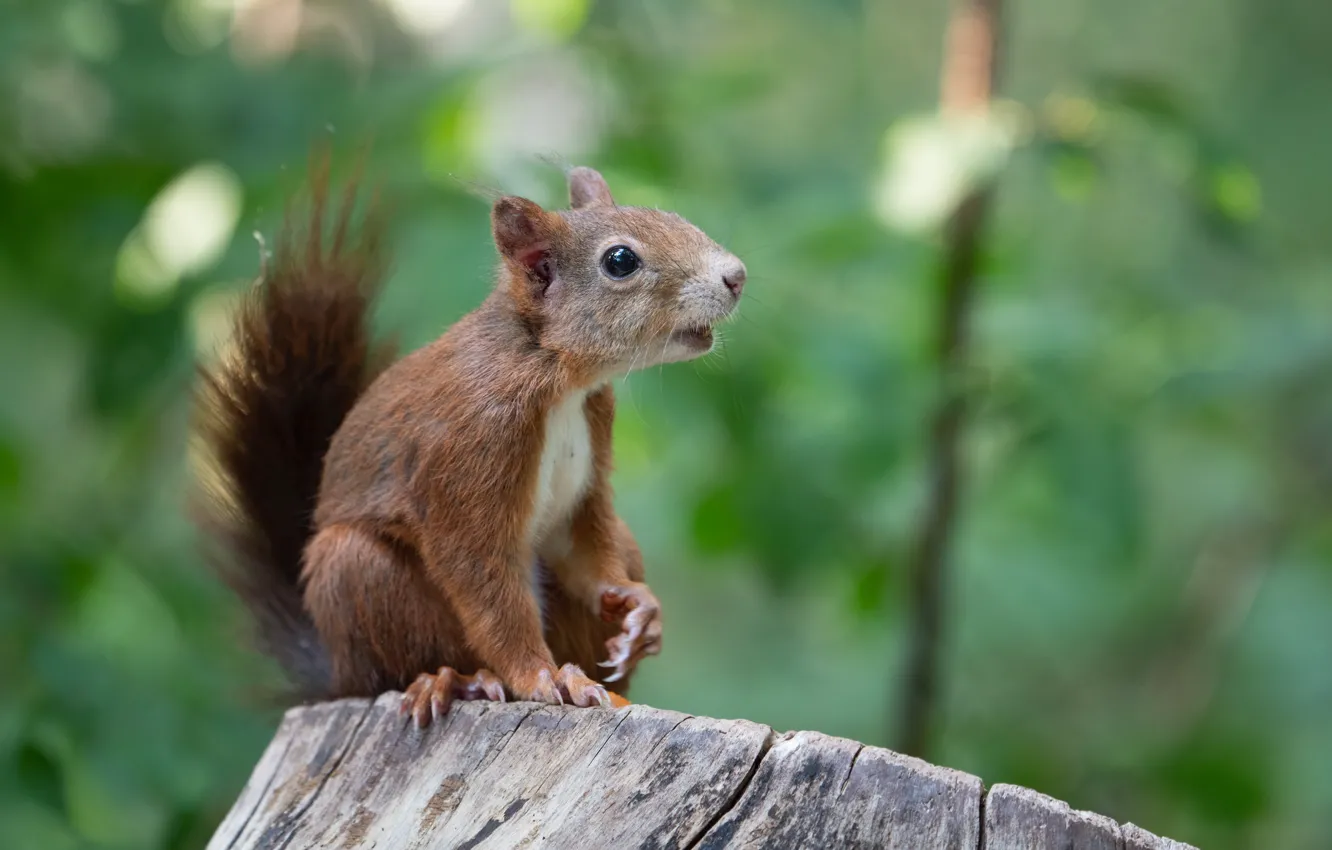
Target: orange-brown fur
(421, 551)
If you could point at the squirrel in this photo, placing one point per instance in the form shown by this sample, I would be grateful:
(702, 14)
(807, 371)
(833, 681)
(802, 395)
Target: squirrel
(444, 525)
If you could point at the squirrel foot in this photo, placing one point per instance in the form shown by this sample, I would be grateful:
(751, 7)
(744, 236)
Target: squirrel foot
(568, 685)
(430, 696)
(639, 614)
(578, 689)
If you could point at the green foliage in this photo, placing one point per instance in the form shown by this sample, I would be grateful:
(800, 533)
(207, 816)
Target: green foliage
(1139, 614)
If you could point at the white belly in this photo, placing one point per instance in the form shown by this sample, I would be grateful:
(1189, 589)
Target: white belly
(563, 478)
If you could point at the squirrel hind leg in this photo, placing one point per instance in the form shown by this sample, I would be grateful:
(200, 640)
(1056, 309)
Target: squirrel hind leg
(431, 695)
(380, 619)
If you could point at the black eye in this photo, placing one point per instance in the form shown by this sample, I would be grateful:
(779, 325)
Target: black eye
(619, 262)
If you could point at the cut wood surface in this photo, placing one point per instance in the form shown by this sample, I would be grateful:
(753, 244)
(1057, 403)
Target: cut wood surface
(357, 774)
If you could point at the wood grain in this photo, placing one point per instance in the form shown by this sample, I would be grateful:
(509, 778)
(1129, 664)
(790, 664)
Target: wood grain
(357, 774)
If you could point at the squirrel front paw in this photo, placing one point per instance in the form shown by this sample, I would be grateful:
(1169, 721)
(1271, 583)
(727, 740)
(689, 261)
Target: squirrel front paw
(430, 696)
(568, 685)
(638, 612)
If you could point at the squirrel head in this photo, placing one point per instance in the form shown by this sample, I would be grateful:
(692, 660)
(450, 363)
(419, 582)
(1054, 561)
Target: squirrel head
(613, 288)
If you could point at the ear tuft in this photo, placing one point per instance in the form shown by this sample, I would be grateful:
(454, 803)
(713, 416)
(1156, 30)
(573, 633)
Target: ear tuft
(587, 188)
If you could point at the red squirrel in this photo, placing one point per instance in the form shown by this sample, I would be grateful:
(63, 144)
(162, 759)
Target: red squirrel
(444, 526)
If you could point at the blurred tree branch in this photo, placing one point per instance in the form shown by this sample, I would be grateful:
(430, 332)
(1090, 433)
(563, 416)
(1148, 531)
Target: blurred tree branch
(969, 63)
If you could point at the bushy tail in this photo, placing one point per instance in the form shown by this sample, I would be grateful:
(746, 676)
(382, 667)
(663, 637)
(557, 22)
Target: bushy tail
(301, 354)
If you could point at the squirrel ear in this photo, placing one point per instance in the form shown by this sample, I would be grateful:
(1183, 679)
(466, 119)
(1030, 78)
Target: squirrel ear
(587, 188)
(523, 233)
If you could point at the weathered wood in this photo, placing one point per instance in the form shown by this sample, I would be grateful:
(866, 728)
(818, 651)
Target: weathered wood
(1021, 819)
(356, 774)
(811, 790)
(1137, 838)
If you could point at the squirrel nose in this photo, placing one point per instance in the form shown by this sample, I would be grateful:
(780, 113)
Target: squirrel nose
(734, 278)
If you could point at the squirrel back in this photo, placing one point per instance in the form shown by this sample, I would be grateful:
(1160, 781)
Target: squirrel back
(302, 355)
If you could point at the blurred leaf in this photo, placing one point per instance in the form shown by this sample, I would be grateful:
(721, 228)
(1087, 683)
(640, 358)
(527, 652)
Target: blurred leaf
(11, 470)
(718, 526)
(41, 776)
(1236, 192)
(1153, 99)
(841, 241)
(555, 18)
(1074, 171)
(188, 828)
(133, 352)
(870, 592)
(1223, 779)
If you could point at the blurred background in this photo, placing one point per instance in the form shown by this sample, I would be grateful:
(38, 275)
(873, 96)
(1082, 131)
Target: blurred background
(1138, 611)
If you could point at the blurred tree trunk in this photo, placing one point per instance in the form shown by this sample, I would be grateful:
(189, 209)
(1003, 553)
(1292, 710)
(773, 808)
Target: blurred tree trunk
(969, 62)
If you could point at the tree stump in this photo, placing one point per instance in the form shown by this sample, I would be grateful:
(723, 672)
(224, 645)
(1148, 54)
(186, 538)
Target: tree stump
(357, 774)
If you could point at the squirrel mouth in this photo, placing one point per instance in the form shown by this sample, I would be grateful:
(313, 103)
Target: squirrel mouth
(698, 338)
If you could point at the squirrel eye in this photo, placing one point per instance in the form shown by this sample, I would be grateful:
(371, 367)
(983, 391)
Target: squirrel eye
(619, 262)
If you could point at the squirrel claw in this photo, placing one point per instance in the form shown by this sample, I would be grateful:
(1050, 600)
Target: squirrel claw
(545, 690)
(483, 685)
(581, 690)
(431, 695)
(566, 686)
(639, 614)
